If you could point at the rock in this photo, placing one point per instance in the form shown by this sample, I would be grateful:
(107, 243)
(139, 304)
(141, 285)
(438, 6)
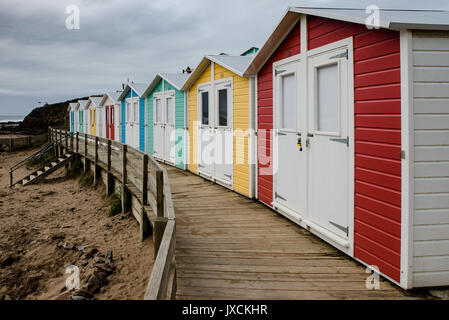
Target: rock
(83, 293)
(84, 262)
(96, 281)
(72, 209)
(90, 253)
(109, 254)
(81, 248)
(9, 260)
(108, 269)
(73, 297)
(99, 260)
(7, 297)
(69, 246)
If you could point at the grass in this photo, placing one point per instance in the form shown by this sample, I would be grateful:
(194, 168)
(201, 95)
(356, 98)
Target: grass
(116, 205)
(49, 156)
(75, 168)
(87, 179)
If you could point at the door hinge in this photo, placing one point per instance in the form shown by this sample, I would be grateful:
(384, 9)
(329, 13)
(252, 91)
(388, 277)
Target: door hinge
(276, 195)
(340, 55)
(278, 72)
(344, 229)
(341, 140)
(229, 176)
(402, 154)
(200, 166)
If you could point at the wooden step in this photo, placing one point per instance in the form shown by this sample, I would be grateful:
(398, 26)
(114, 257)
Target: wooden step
(60, 159)
(53, 164)
(24, 181)
(46, 168)
(39, 172)
(32, 176)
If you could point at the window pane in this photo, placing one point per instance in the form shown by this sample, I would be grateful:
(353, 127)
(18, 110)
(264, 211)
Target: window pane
(205, 107)
(288, 102)
(223, 107)
(170, 110)
(135, 111)
(158, 110)
(327, 98)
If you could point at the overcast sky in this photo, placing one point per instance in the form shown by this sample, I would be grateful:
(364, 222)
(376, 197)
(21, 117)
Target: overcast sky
(42, 61)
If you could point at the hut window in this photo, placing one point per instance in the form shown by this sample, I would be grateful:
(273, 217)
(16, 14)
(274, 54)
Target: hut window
(288, 101)
(135, 112)
(327, 98)
(205, 108)
(223, 107)
(158, 110)
(170, 110)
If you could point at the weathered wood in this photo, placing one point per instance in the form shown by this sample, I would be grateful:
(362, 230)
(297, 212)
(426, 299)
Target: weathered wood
(159, 225)
(160, 193)
(124, 191)
(159, 280)
(77, 142)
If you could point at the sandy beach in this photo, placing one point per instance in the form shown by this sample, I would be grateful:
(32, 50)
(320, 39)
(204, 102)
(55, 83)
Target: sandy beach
(35, 220)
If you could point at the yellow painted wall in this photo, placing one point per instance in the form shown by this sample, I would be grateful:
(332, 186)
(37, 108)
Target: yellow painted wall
(240, 122)
(240, 115)
(193, 118)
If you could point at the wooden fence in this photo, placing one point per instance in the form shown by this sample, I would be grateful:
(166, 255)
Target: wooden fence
(144, 189)
(19, 143)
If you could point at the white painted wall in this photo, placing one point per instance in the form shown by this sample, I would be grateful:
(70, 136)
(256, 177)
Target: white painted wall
(430, 58)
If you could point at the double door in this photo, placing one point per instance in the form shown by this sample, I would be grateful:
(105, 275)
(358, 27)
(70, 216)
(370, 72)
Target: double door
(110, 122)
(132, 122)
(215, 131)
(93, 121)
(164, 125)
(312, 154)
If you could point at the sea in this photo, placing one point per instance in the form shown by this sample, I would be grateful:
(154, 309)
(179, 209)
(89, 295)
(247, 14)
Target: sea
(8, 118)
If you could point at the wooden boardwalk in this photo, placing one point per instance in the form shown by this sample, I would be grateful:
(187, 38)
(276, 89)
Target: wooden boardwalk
(230, 247)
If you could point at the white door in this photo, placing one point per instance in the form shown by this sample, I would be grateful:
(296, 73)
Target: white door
(205, 132)
(128, 123)
(158, 139)
(223, 134)
(290, 182)
(117, 122)
(328, 141)
(136, 123)
(169, 125)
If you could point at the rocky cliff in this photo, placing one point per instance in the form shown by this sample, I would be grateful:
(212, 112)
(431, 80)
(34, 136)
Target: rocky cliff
(55, 115)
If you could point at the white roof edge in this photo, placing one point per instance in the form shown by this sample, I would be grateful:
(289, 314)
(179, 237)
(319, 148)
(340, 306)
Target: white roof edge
(197, 70)
(155, 81)
(237, 72)
(125, 91)
(336, 16)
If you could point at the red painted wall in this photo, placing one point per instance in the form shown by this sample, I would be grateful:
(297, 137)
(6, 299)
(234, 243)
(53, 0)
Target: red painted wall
(377, 134)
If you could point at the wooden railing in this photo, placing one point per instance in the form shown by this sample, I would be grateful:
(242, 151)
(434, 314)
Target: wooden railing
(138, 177)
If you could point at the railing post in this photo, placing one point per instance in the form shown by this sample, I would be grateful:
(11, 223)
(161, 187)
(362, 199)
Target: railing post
(160, 193)
(109, 181)
(10, 178)
(77, 142)
(66, 141)
(125, 197)
(144, 223)
(159, 225)
(86, 161)
(96, 168)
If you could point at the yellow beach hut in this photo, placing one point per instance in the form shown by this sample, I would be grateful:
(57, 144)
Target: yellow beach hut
(92, 104)
(221, 122)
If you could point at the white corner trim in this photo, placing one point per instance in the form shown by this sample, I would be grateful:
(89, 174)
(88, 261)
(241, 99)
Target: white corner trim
(407, 173)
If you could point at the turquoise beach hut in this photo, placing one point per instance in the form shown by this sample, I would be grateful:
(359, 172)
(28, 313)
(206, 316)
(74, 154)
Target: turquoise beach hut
(166, 118)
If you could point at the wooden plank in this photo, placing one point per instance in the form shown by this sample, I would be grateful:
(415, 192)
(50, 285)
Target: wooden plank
(157, 285)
